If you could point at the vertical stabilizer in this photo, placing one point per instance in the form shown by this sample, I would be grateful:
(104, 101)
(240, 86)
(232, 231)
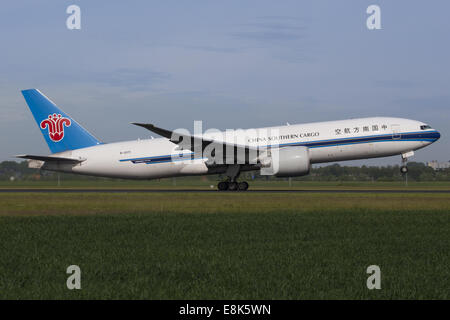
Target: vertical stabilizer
(60, 131)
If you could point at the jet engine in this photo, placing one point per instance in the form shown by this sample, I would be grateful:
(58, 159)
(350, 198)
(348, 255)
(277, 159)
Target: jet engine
(286, 162)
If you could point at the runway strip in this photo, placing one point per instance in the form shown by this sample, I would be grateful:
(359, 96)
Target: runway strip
(44, 190)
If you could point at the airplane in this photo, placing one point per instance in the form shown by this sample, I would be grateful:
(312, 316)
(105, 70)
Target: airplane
(283, 151)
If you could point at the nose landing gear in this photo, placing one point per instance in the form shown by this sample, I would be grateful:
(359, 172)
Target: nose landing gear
(404, 168)
(405, 156)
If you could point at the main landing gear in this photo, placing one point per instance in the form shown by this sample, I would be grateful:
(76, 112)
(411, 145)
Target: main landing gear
(231, 184)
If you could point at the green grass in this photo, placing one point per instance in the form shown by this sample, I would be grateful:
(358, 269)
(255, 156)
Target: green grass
(225, 245)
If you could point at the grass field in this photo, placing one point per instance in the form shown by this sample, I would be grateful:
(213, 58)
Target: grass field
(224, 245)
(196, 183)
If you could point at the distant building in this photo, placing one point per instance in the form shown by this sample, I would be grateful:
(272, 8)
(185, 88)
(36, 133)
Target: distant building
(438, 165)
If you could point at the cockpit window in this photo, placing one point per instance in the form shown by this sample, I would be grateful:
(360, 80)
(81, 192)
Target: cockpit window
(425, 127)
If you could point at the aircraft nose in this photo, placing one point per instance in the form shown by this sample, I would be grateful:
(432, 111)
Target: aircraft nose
(437, 135)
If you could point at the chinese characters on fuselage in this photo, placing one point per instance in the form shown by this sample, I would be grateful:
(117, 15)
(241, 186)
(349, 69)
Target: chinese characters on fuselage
(371, 128)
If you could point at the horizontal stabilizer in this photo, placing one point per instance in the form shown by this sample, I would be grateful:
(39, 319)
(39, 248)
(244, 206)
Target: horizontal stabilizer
(49, 158)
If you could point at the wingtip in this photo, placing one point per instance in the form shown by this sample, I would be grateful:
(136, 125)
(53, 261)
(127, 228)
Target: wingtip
(142, 124)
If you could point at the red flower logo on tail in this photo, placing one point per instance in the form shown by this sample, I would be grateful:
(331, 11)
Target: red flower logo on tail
(55, 124)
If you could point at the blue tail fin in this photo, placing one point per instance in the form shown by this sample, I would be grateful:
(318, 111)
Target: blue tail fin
(60, 131)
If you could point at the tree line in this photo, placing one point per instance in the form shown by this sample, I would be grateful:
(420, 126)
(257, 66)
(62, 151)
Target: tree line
(12, 170)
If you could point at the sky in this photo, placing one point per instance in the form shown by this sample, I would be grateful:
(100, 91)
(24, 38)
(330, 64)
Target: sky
(231, 64)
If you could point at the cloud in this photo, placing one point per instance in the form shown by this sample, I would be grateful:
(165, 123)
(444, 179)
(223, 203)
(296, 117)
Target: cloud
(209, 48)
(272, 29)
(284, 38)
(131, 78)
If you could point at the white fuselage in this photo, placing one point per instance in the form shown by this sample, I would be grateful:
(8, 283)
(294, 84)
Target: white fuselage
(327, 141)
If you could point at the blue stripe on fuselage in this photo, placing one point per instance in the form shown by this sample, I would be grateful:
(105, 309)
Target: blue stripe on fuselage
(430, 136)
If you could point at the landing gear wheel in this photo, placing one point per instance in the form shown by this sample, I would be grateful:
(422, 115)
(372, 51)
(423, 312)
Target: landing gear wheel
(223, 186)
(243, 186)
(233, 186)
(404, 169)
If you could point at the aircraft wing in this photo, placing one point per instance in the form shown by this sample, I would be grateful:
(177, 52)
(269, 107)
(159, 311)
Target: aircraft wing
(49, 158)
(196, 143)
